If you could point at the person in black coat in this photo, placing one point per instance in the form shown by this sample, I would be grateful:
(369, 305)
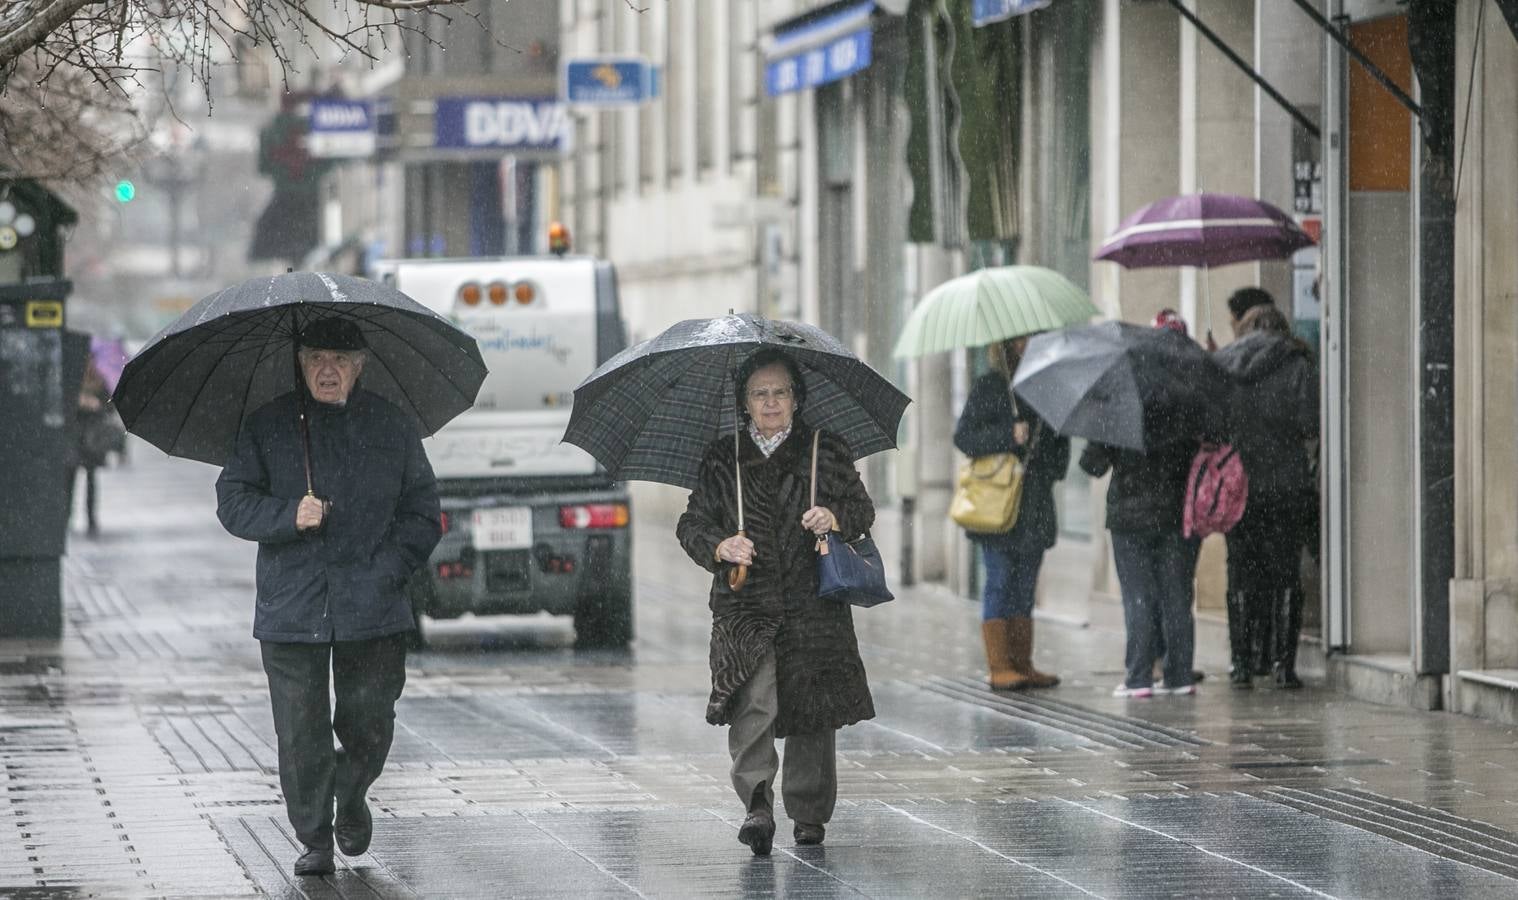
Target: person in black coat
(1275, 405)
(784, 663)
(1156, 563)
(994, 422)
(331, 578)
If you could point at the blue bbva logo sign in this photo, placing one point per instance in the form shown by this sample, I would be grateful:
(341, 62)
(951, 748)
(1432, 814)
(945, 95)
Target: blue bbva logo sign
(341, 115)
(507, 123)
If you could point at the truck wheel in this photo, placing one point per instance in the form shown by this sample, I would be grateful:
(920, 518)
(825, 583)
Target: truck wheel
(604, 620)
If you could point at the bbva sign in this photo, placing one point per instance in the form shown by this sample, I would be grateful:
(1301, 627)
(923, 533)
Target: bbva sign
(502, 123)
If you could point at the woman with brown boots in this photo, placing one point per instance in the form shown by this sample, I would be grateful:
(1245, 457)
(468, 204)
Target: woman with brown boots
(994, 422)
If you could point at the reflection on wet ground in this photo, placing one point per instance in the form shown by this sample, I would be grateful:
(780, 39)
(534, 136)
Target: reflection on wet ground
(139, 758)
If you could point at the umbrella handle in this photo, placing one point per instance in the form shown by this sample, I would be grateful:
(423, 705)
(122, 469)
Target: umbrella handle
(737, 575)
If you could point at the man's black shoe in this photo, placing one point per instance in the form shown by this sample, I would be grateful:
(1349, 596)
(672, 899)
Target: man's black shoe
(807, 834)
(758, 831)
(353, 834)
(315, 862)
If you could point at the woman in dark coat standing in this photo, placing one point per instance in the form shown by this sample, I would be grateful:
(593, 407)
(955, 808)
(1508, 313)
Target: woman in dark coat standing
(1276, 415)
(784, 663)
(994, 422)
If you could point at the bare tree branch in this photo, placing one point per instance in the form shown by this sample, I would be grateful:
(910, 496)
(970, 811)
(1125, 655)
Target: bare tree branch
(63, 128)
(117, 40)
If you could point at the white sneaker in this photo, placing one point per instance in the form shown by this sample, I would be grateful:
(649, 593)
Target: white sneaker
(1186, 691)
(1135, 693)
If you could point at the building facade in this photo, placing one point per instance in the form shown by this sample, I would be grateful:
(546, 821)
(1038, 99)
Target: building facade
(834, 161)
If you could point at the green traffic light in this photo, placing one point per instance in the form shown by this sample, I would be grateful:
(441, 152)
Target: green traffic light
(125, 191)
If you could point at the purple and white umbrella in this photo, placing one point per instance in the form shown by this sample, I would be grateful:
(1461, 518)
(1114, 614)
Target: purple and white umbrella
(1203, 230)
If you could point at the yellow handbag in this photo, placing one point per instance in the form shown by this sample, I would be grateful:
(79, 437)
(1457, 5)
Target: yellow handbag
(989, 494)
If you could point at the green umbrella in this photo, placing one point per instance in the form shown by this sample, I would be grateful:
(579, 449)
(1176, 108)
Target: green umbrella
(991, 305)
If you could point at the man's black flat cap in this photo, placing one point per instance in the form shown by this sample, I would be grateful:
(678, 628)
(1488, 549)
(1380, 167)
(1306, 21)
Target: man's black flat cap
(332, 334)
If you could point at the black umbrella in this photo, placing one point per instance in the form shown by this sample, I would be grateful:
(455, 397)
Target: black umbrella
(649, 412)
(1123, 385)
(189, 389)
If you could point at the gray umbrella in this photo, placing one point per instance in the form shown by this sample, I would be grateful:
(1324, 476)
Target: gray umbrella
(190, 387)
(649, 412)
(1123, 385)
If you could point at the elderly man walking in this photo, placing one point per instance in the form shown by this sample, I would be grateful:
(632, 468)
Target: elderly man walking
(332, 566)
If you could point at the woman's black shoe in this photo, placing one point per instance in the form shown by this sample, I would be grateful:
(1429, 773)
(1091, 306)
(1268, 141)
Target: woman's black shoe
(758, 832)
(807, 834)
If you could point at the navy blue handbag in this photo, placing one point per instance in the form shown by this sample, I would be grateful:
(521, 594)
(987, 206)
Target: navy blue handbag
(848, 571)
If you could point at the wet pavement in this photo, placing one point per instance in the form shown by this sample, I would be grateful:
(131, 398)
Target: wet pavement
(139, 758)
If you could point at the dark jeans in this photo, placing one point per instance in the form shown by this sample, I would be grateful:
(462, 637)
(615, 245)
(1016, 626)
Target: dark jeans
(1156, 571)
(1011, 579)
(367, 677)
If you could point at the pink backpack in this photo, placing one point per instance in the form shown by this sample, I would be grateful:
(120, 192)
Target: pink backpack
(1216, 492)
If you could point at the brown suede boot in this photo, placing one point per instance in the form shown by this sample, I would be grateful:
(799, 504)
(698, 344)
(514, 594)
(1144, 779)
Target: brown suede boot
(1003, 676)
(1020, 653)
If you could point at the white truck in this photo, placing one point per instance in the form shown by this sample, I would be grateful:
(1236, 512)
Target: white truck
(530, 524)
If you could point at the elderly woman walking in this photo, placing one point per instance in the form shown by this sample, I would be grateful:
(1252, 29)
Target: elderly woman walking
(784, 663)
(994, 422)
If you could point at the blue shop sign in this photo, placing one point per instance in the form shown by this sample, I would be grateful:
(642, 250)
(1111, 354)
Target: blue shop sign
(502, 123)
(985, 12)
(340, 128)
(820, 51)
(609, 81)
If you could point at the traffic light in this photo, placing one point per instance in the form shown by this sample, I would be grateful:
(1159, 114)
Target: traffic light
(125, 191)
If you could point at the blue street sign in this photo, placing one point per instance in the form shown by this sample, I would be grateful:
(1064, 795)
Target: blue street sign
(838, 58)
(340, 128)
(607, 81)
(503, 123)
(984, 12)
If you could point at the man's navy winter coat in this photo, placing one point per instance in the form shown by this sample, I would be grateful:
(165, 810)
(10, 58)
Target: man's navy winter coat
(344, 581)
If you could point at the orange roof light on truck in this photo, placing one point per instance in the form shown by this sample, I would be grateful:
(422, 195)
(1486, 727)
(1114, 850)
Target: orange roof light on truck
(558, 238)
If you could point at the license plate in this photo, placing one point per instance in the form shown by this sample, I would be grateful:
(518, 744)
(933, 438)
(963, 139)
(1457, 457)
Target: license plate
(507, 528)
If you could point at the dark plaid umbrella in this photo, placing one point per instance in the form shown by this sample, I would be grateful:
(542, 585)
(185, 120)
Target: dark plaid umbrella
(189, 389)
(649, 412)
(1123, 385)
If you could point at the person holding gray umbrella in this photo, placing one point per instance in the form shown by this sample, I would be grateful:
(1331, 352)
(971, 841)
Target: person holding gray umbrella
(1142, 396)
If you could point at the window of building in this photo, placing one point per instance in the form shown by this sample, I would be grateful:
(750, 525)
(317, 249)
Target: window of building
(711, 51)
(741, 82)
(648, 115)
(766, 142)
(677, 17)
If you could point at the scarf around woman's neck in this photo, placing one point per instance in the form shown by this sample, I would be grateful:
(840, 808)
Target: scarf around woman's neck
(767, 445)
